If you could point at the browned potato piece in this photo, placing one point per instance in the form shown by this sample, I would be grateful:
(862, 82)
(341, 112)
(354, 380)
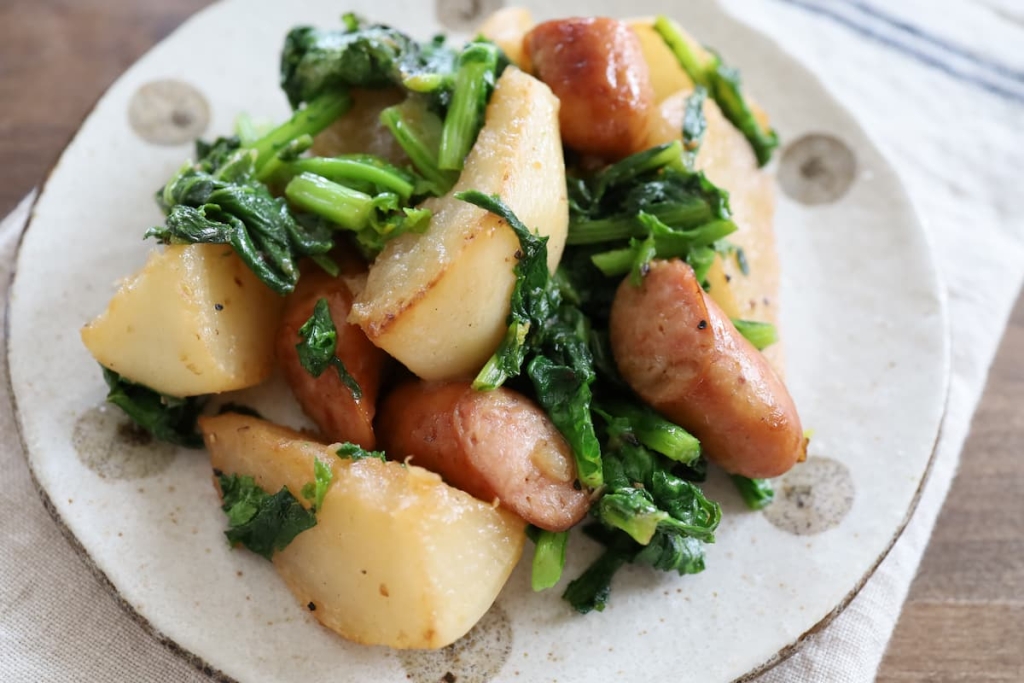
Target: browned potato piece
(667, 76)
(194, 320)
(438, 301)
(397, 557)
(360, 129)
(506, 28)
(728, 160)
(596, 68)
(682, 355)
(325, 399)
(491, 444)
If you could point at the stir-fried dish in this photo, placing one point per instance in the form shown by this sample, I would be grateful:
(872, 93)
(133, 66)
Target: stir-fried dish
(519, 285)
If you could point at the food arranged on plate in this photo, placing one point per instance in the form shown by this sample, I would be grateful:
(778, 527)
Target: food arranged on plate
(519, 285)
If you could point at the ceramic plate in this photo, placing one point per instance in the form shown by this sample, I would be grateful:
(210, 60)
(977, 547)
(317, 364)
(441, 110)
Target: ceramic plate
(862, 315)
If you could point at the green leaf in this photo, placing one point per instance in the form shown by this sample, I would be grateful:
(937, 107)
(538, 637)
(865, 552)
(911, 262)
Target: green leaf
(474, 80)
(261, 522)
(352, 451)
(322, 474)
(694, 125)
(757, 493)
(317, 347)
(167, 418)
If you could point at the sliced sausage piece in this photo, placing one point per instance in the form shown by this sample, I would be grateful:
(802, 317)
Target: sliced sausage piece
(326, 399)
(682, 355)
(491, 444)
(596, 68)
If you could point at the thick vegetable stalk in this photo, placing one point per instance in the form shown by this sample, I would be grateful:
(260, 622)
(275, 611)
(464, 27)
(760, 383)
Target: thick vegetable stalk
(474, 81)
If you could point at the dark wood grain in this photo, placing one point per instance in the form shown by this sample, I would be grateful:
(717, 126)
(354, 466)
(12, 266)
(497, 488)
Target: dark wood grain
(964, 620)
(56, 58)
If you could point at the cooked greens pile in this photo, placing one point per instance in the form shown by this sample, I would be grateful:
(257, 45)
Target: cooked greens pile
(643, 467)
(233, 193)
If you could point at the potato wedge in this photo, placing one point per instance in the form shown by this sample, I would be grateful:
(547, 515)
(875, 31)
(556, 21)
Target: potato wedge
(506, 27)
(438, 301)
(667, 77)
(195, 320)
(397, 557)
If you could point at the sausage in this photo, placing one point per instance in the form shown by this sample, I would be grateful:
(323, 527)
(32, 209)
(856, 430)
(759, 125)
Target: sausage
(597, 70)
(326, 399)
(491, 444)
(677, 349)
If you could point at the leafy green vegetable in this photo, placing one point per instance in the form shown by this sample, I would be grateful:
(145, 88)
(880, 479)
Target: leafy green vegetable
(352, 451)
(417, 130)
(474, 81)
(760, 334)
(653, 431)
(373, 219)
(661, 242)
(363, 172)
(607, 206)
(723, 84)
(694, 125)
(757, 493)
(548, 557)
(317, 61)
(261, 522)
(322, 476)
(648, 514)
(447, 89)
(167, 418)
(221, 200)
(554, 335)
(318, 346)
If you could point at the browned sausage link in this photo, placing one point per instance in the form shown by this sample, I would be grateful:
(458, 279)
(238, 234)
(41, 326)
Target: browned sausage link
(326, 399)
(491, 444)
(597, 70)
(680, 353)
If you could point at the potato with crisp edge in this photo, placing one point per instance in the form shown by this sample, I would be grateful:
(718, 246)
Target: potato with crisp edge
(397, 557)
(438, 301)
(195, 320)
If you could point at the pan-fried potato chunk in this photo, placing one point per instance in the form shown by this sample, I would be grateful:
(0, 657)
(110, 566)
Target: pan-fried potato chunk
(438, 301)
(506, 28)
(397, 556)
(195, 320)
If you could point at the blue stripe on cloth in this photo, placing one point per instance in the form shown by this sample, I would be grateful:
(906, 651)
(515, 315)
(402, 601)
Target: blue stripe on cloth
(916, 31)
(922, 57)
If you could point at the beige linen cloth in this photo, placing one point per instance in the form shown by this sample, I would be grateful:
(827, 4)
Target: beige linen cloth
(939, 85)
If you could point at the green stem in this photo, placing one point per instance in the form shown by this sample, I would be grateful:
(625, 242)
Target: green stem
(757, 493)
(465, 115)
(548, 559)
(342, 205)
(310, 120)
(358, 168)
(694, 66)
(657, 433)
(418, 133)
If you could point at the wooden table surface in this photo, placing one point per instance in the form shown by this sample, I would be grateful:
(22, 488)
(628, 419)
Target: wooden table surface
(964, 620)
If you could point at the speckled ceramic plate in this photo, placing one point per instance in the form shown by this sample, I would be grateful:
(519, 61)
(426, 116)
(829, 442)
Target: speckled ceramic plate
(863, 319)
